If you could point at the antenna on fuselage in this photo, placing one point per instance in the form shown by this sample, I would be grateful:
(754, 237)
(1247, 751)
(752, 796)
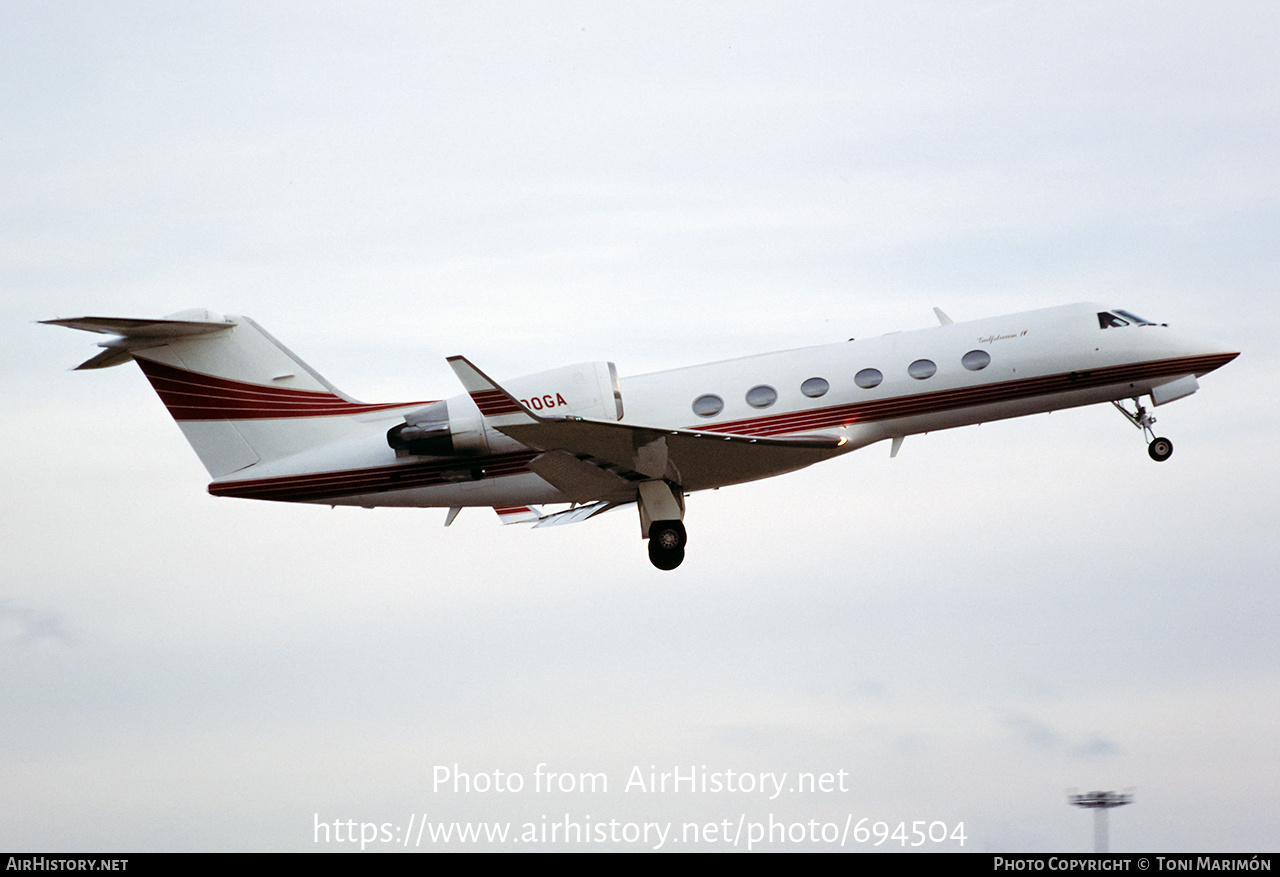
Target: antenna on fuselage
(943, 319)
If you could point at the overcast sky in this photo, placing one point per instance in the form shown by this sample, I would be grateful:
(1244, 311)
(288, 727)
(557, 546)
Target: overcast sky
(998, 615)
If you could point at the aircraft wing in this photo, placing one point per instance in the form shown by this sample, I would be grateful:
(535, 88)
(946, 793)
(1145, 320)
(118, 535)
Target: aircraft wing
(599, 459)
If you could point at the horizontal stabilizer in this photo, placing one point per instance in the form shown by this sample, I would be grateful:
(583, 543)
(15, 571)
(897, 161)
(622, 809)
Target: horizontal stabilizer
(139, 333)
(111, 356)
(127, 328)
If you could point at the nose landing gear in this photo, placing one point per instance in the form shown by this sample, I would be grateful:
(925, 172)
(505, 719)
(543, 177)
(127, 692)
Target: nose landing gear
(1158, 447)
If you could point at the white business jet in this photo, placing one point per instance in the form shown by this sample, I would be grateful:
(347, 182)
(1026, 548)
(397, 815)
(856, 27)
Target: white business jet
(267, 426)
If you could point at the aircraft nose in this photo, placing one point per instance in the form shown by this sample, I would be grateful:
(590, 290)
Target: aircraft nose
(1196, 354)
(1215, 357)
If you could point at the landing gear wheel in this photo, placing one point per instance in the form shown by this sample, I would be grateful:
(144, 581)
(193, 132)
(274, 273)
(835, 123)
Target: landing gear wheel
(666, 544)
(1159, 447)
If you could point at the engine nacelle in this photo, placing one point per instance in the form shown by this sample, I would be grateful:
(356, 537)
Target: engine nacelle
(455, 427)
(587, 389)
(432, 432)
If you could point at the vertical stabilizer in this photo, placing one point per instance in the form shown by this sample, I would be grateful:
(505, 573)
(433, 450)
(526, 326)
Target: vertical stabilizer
(239, 395)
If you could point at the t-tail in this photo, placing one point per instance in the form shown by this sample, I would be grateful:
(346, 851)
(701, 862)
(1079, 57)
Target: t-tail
(240, 396)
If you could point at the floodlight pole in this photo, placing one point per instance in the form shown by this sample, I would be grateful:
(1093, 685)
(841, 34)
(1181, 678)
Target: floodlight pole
(1100, 803)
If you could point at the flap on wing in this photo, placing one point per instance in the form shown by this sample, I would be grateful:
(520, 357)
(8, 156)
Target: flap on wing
(576, 514)
(526, 514)
(517, 514)
(693, 460)
(580, 480)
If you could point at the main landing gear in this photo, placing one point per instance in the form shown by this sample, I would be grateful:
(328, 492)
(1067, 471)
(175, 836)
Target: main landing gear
(666, 543)
(1158, 447)
(661, 510)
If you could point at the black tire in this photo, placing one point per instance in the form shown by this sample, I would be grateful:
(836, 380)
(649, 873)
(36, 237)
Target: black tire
(666, 544)
(666, 560)
(1160, 449)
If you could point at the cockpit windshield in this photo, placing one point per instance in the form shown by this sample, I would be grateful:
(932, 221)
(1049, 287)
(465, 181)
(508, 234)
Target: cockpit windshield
(1117, 318)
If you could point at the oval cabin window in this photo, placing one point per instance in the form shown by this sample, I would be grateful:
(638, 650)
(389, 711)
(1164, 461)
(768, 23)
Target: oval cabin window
(868, 378)
(761, 396)
(815, 387)
(921, 369)
(708, 405)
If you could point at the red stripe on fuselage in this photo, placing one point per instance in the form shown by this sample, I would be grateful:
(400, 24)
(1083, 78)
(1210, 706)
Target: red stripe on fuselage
(193, 396)
(317, 487)
(894, 407)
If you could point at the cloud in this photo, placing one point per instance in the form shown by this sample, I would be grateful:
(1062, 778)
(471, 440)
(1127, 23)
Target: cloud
(1033, 732)
(25, 626)
(1095, 747)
